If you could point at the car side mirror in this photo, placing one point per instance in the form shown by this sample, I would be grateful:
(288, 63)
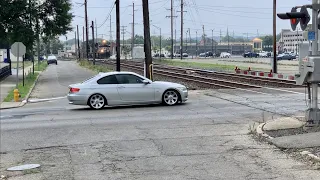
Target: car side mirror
(145, 81)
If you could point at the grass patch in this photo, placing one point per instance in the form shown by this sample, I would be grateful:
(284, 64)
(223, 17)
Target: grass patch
(23, 90)
(97, 68)
(200, 65)
(41, 66)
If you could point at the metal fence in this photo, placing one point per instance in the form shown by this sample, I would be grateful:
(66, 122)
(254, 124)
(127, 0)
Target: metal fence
(5, 72)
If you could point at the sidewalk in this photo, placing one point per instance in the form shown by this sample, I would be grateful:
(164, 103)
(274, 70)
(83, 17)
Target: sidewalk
(289, 133)
(9, 83)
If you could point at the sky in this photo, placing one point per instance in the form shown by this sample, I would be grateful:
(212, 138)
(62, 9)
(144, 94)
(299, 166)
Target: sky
(240, 17)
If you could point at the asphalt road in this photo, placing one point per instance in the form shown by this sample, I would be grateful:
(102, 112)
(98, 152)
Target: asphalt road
(54, 81)
(206, 138)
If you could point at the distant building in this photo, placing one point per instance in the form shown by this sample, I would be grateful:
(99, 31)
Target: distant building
(289, 40)
(257, 44)
(236, 48)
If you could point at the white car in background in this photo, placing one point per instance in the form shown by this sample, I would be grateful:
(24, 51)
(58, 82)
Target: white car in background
(263, 54)
(225, 55)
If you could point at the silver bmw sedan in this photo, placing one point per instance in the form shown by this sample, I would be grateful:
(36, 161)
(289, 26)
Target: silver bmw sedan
(125, 88)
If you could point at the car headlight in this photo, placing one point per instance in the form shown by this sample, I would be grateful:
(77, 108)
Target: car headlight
(182, 88)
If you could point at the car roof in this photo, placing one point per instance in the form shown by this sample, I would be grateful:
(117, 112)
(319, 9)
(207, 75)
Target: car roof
(116, 72)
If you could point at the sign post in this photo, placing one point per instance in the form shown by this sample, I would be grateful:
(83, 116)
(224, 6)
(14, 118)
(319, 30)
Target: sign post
(18, 49)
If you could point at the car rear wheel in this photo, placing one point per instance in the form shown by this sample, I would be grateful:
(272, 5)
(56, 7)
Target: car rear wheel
(97, 101)
(170, 97)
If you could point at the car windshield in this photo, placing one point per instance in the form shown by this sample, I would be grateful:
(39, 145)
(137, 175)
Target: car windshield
(51, 57)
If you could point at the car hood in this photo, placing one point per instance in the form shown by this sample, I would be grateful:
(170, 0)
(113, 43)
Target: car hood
(165, 83)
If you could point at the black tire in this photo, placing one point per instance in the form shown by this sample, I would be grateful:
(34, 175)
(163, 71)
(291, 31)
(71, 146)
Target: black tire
(171, 101)
(101, 98)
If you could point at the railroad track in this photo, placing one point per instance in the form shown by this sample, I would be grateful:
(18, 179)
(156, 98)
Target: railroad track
(255, 80)
(190, 78)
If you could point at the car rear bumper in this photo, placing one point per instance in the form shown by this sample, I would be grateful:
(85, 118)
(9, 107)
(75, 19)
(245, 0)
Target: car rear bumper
(77, 99)
(52, 61)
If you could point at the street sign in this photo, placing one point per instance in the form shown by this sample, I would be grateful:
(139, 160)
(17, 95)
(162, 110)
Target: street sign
(18, 49)
(311, 35)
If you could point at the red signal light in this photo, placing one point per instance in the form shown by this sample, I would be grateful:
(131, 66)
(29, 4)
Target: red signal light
(293, 21)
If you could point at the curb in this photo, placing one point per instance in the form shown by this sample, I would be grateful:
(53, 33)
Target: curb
(30, 91)
(260, 132)
(24, 102)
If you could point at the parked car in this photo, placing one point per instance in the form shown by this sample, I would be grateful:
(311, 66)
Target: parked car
(284, 56)
(125, 88)
(251, 54)
(52, 60)
(225, 55)
(209, 54)
(263, 54)
(202, 55)
(185, 55)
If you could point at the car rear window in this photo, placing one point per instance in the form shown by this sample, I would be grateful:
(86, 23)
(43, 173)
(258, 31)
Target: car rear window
(89, 79)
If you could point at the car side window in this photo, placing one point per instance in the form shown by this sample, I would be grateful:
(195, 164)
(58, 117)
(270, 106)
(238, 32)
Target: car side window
(129, 79)
(111, 79)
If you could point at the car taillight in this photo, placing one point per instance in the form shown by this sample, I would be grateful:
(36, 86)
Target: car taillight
(74, 90)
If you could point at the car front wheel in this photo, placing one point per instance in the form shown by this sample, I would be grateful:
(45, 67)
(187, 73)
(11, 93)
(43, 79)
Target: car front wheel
(170, 97)
(97, 101)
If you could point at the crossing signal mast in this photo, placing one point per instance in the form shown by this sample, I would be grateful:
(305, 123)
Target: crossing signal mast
(309, 62)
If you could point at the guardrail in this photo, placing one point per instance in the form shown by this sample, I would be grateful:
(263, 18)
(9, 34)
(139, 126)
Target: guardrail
(5, 72)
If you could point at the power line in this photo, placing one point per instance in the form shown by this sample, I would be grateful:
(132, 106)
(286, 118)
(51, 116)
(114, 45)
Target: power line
(109, 15)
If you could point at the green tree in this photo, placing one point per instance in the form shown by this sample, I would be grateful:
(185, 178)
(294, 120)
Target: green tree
(138, 39)
(24, 21)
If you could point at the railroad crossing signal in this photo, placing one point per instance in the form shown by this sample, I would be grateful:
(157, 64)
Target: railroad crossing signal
(295, 17)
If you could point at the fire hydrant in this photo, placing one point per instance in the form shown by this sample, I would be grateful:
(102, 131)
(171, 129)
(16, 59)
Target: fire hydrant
(16, 95)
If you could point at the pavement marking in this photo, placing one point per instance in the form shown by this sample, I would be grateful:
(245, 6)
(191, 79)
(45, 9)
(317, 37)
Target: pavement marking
(45, 99)
(294, 92)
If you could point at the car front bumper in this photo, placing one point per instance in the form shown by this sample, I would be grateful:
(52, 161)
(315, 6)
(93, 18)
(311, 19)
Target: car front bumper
(184, 96)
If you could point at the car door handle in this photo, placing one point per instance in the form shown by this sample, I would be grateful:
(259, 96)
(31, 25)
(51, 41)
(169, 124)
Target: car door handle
(121, 87)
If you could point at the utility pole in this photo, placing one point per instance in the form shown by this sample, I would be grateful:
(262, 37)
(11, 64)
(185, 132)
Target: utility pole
(187, 41)
(87, 33)
(196, 44)
(204, 38)
(123, 33)
(78, 42)
(228, 39)
(181, 43)
(220, 36)
(172, 16)
(82, 44)
(147, 43)
(75, 42)
(93, 46)
(190, 41)
(110, 31)
(118, 33)
(175, 37)
(95, 22)
(212, 41)
(274, 67)
(132, 36)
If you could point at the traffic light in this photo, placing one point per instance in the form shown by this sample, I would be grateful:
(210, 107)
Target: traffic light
(295, 17)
